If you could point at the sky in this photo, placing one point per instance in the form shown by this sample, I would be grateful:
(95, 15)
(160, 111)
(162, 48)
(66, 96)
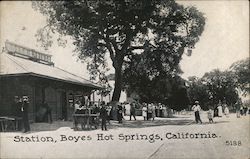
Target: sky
(224, 41)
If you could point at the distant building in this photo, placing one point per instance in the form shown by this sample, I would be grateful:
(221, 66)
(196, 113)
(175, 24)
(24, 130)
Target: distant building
(24, 71)
(95, 96)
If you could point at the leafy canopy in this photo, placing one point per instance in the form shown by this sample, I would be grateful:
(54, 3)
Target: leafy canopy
(122, 29)
(242, 71)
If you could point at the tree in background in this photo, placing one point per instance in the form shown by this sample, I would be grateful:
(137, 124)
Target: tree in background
(198, 91)
(122, 29)
(221, 86)
(213, 87)
(242, 71)
(178, 99)
(153, 83)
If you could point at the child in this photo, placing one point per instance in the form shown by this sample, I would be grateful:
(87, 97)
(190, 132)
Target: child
(210, 115)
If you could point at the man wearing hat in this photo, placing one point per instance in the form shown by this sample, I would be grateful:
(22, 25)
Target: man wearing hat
(196, 108)
(103, 116)
(16, 111)
(119, 113)
(24, 110)
(132, 110)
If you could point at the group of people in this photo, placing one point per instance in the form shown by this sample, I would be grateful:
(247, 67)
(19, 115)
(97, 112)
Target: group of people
(148, 111)
(103, 111)
(221, 107)
(220, 110)
(243, 110)
(20, 109)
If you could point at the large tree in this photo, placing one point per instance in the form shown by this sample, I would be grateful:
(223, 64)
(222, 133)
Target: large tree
(122, 28)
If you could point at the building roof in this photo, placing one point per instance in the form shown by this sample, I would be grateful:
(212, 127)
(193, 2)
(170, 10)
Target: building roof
(14, 66)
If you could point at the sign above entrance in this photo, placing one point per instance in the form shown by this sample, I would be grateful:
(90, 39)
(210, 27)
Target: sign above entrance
(27, 53)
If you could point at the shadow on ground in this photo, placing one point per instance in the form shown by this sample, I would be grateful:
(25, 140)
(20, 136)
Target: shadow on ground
(143, 124)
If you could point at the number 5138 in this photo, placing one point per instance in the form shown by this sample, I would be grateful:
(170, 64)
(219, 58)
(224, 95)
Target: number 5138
(233, 143)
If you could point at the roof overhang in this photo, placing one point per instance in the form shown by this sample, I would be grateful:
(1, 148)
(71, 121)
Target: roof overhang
(93, 85)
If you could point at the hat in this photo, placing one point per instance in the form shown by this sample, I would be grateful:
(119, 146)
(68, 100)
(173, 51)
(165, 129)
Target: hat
(196, 102)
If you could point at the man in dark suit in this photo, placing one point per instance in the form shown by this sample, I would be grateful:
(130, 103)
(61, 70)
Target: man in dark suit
(103, 116)
(119, 113)
(16, 111)
(24, 110)
(132, 110)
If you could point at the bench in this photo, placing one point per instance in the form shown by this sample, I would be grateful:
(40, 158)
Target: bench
(9, 123)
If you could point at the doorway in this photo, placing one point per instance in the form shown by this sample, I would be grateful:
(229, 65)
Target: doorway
(64, 106)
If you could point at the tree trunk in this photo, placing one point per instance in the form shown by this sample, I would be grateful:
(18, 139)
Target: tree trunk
(116, 93)
(118, 85)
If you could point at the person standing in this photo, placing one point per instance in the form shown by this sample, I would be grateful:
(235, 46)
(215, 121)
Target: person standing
(124, 109)
(210, 115)
(24, 110)
(132, 110)
(196, 108)
(226, 111)
(16, 111)
(119, 113)
(241, 111)
(149, 112)
(153, 112)
(103, 116)
(245, 110)
(109, 109)
(237, 107)
(219, 107)
(144, 111)
(15, 107)
(161, 110)
(215, 111)
(77, 107)
(48, 114)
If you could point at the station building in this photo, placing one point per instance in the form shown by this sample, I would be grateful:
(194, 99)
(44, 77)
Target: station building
(24, 71)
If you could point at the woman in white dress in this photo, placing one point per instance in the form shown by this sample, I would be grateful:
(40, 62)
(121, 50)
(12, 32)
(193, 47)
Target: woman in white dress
(219, 111)
(153, 112)
(144, 111)
(226, 111)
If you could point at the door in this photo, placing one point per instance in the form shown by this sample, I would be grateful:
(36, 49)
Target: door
(64, 106)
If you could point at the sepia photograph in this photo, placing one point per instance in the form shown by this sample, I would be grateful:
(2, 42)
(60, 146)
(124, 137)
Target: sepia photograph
(124, 79)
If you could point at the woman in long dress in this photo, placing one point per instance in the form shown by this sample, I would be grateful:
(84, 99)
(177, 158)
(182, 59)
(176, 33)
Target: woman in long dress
(149, 112)
(226, 111)
(219, 111)
(153, 112)
(144, 111)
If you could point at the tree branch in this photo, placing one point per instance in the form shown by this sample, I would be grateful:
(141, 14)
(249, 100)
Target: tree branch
(135, 48)
(114, 45)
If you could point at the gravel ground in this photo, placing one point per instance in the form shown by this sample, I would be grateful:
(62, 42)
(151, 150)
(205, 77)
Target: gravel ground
(226, 138)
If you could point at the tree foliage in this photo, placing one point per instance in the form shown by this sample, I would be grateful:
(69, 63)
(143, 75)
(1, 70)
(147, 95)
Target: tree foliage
(198, 91)
(122, 29)
(242, 71)
(213, 87)
(167, 89)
